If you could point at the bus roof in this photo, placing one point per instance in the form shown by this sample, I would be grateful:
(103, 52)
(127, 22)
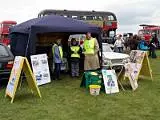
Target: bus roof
(151, 28)
(74, 12)
(145, 25)
(8, 22)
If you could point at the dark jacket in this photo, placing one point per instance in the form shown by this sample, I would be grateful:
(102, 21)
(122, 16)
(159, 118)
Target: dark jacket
(153, 43)
(133, 43)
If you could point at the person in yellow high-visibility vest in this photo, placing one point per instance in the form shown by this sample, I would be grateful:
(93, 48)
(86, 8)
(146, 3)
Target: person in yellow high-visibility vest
(90, 50)
(57, 58)
(75, 51)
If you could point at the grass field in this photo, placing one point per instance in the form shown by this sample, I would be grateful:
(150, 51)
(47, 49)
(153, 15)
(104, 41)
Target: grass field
(65, 100)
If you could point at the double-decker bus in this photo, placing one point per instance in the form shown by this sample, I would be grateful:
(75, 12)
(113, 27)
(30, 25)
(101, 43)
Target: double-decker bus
(148, 30)
(4, 31)
(106, 20)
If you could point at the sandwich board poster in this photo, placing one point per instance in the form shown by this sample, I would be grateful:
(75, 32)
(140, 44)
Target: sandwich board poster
(110, 81)
(132, 71)
(20, 65)
(137, 56)
(13, 80)
(41, 68)
(133, 68)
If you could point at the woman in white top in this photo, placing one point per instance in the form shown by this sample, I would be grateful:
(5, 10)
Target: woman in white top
(119, 43)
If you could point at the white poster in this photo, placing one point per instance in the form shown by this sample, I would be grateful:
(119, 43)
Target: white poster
(41, 68)
(13, 75)
(110, 81)
(132, 71)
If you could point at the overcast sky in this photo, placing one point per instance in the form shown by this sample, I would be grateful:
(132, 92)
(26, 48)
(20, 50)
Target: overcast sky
(130, 13)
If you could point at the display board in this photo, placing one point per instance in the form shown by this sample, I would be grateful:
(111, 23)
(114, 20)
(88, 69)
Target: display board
(15, 74)
(21, 64)
(41, 68)
(110, 81)
(138, 65)
(131, 71)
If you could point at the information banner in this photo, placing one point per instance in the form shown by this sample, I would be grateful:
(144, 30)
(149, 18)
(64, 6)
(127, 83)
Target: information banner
(41, 68)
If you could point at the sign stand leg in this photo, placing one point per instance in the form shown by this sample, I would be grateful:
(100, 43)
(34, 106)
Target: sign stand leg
(119, 76)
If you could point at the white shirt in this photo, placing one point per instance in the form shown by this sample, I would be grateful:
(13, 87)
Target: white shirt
(118, 43)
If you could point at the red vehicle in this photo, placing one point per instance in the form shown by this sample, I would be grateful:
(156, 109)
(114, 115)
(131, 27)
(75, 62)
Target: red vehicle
(148, 30)
(4, 31)
(106, 20)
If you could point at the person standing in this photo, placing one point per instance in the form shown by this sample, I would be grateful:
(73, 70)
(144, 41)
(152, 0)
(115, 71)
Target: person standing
(90, 50)
(152, 46)
(75, 51)
(119, 43)
(57, 58)
(142, 45)
(133, 42)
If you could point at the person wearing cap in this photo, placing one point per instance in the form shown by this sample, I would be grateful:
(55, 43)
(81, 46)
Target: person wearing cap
(90, 50)
(75, 51)
(57, 58)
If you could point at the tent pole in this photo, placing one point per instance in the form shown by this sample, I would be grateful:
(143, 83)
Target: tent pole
(26, 51)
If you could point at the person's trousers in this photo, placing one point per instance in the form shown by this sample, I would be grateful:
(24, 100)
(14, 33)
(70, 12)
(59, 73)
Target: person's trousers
(120, 49)
(152, 53)
(75, 69)
(57, 70)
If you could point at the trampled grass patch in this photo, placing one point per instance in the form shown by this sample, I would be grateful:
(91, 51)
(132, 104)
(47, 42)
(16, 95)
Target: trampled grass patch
(65, 100)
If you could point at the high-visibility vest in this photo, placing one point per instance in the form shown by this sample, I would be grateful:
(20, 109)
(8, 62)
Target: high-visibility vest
(75, 49)
(89, 46)
(60, 50)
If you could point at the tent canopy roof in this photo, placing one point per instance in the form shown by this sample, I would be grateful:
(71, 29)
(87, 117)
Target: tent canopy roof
(53, 23)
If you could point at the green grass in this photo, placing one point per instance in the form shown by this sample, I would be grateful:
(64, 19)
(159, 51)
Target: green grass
(65, 100)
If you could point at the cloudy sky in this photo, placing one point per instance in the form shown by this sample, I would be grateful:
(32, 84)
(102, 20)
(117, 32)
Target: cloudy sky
(130, 13)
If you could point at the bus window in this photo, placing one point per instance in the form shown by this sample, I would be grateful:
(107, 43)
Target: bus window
(99, 18)
(89, 17)
(74, 17)
(111, 34)
(65, 16)
(158, 31)
(82, 18)
(110, 17)
(141, 32)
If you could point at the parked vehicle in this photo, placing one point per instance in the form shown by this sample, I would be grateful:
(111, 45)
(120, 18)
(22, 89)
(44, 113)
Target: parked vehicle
(112, 59)
(4, 31)
(147, 32)
(6, 63)
(109, 58)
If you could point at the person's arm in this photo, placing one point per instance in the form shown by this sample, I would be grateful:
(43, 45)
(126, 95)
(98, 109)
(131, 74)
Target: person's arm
(96, 46)
(115, 44)
(57, 52)
(80, 50)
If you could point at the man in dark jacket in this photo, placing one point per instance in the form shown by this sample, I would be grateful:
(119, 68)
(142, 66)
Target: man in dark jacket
(152, 46)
